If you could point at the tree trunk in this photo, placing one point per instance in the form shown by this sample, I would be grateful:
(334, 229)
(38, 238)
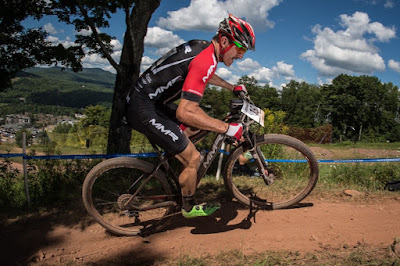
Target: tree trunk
(119, 134)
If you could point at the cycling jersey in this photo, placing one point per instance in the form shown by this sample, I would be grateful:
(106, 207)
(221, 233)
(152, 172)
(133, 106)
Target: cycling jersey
(182, 73)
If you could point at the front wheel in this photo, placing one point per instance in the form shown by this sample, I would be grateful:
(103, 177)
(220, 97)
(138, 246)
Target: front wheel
(291, 173)
(120, 194)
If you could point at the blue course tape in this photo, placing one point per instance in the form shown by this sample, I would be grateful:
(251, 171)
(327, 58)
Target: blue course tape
(92, 156)
(153, 154)
(370, 160)
(376, 160)
(9, 155)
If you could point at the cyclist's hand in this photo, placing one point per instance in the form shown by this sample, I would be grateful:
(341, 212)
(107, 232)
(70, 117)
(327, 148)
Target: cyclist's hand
(239, 89)
(235, 130)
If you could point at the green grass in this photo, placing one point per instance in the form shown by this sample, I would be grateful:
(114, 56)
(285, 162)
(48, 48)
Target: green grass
(358, 255)
(361, 145)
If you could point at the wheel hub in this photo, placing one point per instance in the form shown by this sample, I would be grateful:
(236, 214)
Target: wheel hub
(123, 200)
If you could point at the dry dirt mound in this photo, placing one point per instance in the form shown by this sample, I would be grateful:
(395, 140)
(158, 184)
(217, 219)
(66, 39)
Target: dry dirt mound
(353, 153)
(59, 239)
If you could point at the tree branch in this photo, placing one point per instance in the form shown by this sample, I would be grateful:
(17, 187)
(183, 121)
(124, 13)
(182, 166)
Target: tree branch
(129, 23)
(97, 36)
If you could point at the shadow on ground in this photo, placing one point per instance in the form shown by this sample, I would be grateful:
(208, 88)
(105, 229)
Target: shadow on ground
(24, 235)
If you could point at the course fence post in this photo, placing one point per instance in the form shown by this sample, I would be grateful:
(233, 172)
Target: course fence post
(25, 170)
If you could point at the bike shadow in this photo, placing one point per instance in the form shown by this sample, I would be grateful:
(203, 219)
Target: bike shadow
(224, 220)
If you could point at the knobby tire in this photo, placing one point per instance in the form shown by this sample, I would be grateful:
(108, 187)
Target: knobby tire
(111, 183)
(292, 164)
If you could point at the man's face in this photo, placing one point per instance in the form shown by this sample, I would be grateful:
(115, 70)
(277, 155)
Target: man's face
(234, 53)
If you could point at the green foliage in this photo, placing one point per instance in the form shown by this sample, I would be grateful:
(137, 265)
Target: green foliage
(301, 102)
(63, 128)
(273, 122)
(216, 102)
(52, 181)
(57, 180)
(367, 177)
(19, 137)
(263, 97)
(358, 105)
(96, 115)
(11, 189)
(22, 48)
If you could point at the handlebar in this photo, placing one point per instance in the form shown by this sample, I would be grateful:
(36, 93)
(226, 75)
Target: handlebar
(245, 97)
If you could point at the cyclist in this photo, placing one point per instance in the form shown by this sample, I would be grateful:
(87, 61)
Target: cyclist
(183, 74)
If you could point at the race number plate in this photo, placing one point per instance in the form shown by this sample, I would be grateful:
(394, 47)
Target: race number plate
(253, 112)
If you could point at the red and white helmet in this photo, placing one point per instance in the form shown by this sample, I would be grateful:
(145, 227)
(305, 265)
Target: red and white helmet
(239, 31)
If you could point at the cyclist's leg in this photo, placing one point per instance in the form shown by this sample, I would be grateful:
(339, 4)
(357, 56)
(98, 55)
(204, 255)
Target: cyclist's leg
(190, 158)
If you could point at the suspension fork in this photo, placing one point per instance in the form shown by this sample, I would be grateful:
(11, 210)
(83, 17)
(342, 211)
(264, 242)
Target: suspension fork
(210, 156)
(260, 160)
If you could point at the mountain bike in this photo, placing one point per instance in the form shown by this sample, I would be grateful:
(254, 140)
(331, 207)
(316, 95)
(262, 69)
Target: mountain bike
(128, 195)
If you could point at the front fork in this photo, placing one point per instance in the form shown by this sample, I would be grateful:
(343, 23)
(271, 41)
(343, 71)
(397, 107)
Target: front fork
(259, 159)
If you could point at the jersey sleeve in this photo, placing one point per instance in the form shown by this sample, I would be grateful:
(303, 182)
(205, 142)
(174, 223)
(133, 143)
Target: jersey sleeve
(201, 69)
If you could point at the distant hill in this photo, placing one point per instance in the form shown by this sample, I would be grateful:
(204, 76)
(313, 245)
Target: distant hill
(41, 89)
(86, 76)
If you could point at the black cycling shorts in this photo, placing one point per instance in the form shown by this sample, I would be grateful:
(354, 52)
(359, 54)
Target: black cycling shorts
(159, 124)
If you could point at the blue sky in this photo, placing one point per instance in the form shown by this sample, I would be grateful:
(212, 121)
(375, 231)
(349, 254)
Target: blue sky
(309, 40)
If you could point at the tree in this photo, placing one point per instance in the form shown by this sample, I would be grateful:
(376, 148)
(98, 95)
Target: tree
(362, 104)
(92, 15)
(95, 115)
(301, 102)
(263, 97)
(22, 48)
(19, 137)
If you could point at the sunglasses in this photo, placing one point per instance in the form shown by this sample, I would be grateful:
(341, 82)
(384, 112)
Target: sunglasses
(240, 48)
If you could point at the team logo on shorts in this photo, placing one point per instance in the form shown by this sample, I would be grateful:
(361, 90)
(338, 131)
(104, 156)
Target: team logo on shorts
(166, 132)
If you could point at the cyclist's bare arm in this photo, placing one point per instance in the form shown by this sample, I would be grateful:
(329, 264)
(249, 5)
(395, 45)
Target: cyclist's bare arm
(190, 113)
(217, 81)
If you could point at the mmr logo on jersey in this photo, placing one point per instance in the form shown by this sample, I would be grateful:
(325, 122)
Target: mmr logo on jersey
(161, 89)
(166, 132)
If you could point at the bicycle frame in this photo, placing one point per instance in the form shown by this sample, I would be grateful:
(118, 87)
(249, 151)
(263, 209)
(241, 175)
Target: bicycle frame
(209, 157)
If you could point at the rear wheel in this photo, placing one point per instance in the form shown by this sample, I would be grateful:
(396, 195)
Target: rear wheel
(119, 194)
(292, 172)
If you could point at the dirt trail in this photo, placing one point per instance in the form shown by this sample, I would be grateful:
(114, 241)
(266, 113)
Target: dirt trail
(51, 239)
(68, 236)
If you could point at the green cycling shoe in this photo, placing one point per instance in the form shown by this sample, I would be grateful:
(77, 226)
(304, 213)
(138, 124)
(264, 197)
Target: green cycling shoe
(201, 210)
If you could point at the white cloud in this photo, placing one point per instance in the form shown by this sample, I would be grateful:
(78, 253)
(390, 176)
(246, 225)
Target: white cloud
(227, 75)
(96, 61)
(278, 74)
(116, 44)
(161, 39)
(247, 65)
(394, 65)
(349, 50)
(55, 40)
(283, 69)
(49, 28)
(146, 63)
(264, 75)
(87, 32)
(207, 14)
(389, 4)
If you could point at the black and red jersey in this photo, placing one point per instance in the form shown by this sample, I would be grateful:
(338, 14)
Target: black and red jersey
(181, 73)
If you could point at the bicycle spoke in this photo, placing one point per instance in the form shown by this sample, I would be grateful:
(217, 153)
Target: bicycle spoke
(290, 174)
(127, 199)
